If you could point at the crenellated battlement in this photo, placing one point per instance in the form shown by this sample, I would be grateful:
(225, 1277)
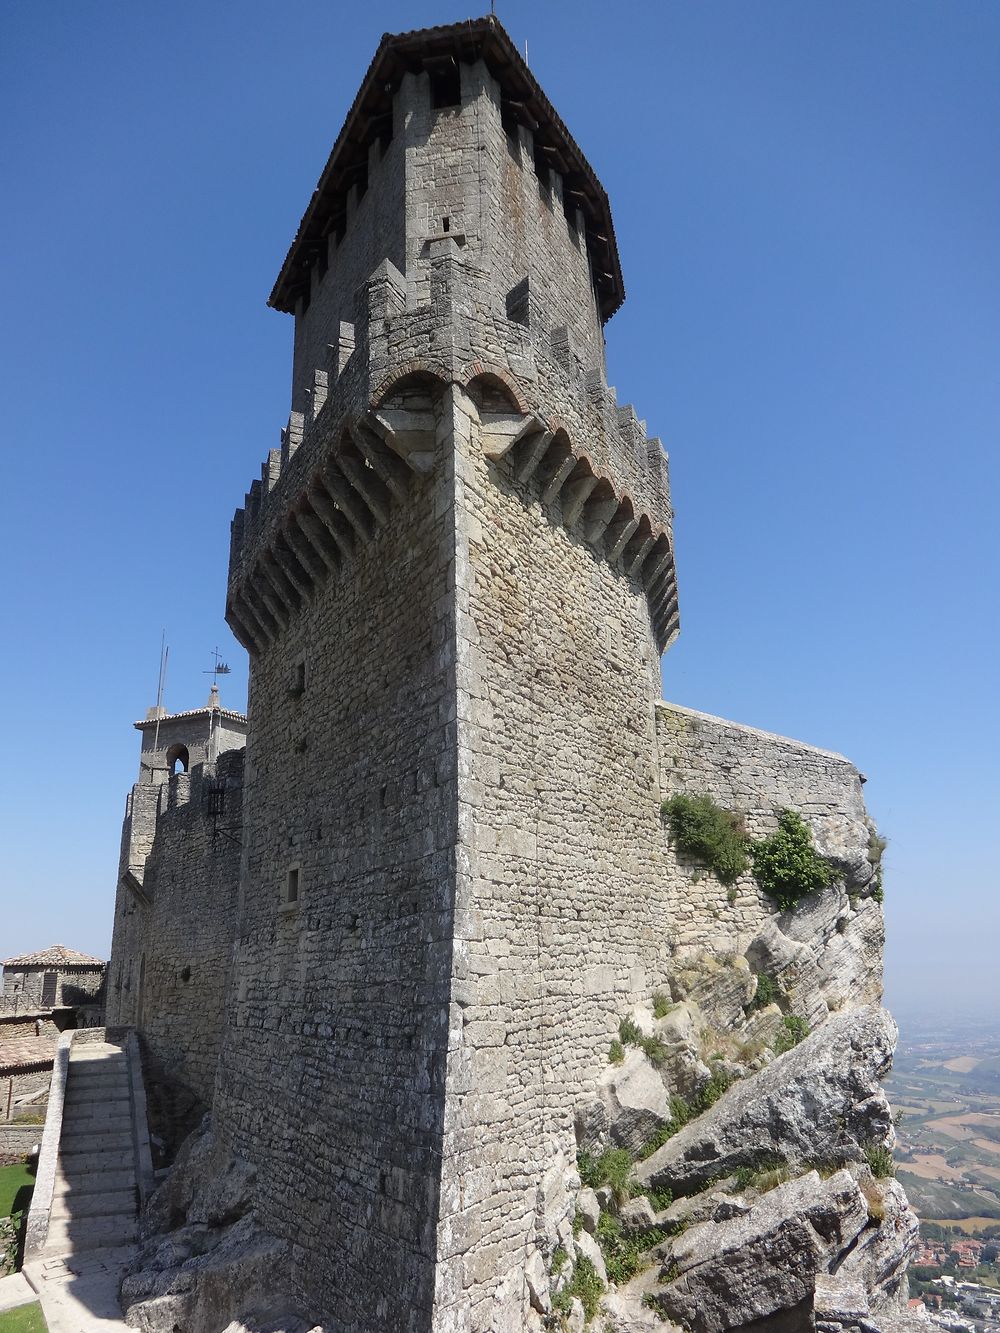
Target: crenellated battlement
(458, 236)
(345, 462)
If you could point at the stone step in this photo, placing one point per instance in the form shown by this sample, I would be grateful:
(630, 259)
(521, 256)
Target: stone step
(88, 1180)
(86, 1111)
(97, 1087)
(103, 1139)
(68, 1236)
(93, 1106)
(79, 1095)
(93, 1124)
(90, 1157)
(102, 1203)
(94, 1092)
(97, 1073)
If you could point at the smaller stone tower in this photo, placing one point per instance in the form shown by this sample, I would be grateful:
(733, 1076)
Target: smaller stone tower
(177, 884)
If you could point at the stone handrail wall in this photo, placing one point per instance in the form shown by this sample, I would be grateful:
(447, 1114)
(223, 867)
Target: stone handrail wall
(37, 1229)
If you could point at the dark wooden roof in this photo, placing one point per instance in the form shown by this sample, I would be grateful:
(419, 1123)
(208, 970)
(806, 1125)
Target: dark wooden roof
(370, 115)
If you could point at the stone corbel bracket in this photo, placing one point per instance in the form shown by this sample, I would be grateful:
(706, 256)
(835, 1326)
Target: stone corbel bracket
(340, 508)
(589, 502)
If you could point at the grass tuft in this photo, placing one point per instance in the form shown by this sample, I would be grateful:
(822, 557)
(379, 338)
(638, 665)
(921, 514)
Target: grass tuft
(879, 1158)
(793, 1030)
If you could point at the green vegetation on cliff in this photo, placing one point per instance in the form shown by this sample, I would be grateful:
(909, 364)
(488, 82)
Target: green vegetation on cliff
(703, 829)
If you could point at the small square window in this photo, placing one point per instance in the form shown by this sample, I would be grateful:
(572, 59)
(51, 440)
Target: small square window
(291, 893)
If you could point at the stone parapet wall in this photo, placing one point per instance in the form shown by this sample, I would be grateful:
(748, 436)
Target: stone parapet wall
(756, 775)
(173, 934)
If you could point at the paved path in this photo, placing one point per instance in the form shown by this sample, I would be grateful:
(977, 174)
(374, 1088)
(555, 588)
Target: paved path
(80, 1295)
(15, 1290)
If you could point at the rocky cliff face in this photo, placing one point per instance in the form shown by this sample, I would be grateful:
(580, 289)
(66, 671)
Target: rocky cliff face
(733, 1172)
(735, 1167)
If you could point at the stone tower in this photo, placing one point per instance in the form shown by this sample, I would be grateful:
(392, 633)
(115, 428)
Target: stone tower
(454, 580)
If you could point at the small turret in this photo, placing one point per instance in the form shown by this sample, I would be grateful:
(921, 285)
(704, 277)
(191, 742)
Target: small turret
(174, 742)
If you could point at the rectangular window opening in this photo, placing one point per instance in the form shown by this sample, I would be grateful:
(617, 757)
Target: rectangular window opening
(446, 87)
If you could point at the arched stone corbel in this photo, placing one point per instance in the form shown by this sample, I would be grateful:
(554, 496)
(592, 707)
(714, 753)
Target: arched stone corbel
(410, 433)
(499, 432)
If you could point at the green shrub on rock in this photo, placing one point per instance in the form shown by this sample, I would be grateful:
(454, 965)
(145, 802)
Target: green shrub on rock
(793, 1030)
(879, 1158)
(613, 1168)
(703, 829)
(629, 1032)
(585, 1284)
(787, 865)
(766, 992)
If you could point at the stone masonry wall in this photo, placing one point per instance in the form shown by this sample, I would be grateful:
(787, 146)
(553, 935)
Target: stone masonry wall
(571, 905)
(74, 985)
(173, 938)
(14, 1086)
(331, 1078)
(192, 878)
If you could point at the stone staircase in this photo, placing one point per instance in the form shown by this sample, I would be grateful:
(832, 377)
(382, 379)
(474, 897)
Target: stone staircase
(95, 1198)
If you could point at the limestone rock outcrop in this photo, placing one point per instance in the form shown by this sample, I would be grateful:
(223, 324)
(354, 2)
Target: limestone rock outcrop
(808, 1252)
(764, 1263)
(825, 954)
(820, 1102)
(205, 1262)
(778, 1224)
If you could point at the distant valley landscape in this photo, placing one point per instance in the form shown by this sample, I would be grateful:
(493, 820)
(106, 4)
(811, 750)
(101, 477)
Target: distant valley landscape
(945, 1086)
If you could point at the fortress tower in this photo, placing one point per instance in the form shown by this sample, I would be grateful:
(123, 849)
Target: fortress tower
(455, 579)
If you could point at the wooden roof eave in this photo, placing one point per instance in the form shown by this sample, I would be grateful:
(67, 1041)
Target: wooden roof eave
(467, 41)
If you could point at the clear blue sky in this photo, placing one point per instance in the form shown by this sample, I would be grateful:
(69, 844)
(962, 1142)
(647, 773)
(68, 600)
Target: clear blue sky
(807, 200)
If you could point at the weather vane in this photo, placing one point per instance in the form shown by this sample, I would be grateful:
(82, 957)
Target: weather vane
(219, 669)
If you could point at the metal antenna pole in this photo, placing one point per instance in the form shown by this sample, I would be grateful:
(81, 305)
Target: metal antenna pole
(164, 654)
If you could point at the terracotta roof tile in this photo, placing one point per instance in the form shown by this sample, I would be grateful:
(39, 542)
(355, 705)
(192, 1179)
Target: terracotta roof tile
(23, 1052)
(190, 712)
(55, 956)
